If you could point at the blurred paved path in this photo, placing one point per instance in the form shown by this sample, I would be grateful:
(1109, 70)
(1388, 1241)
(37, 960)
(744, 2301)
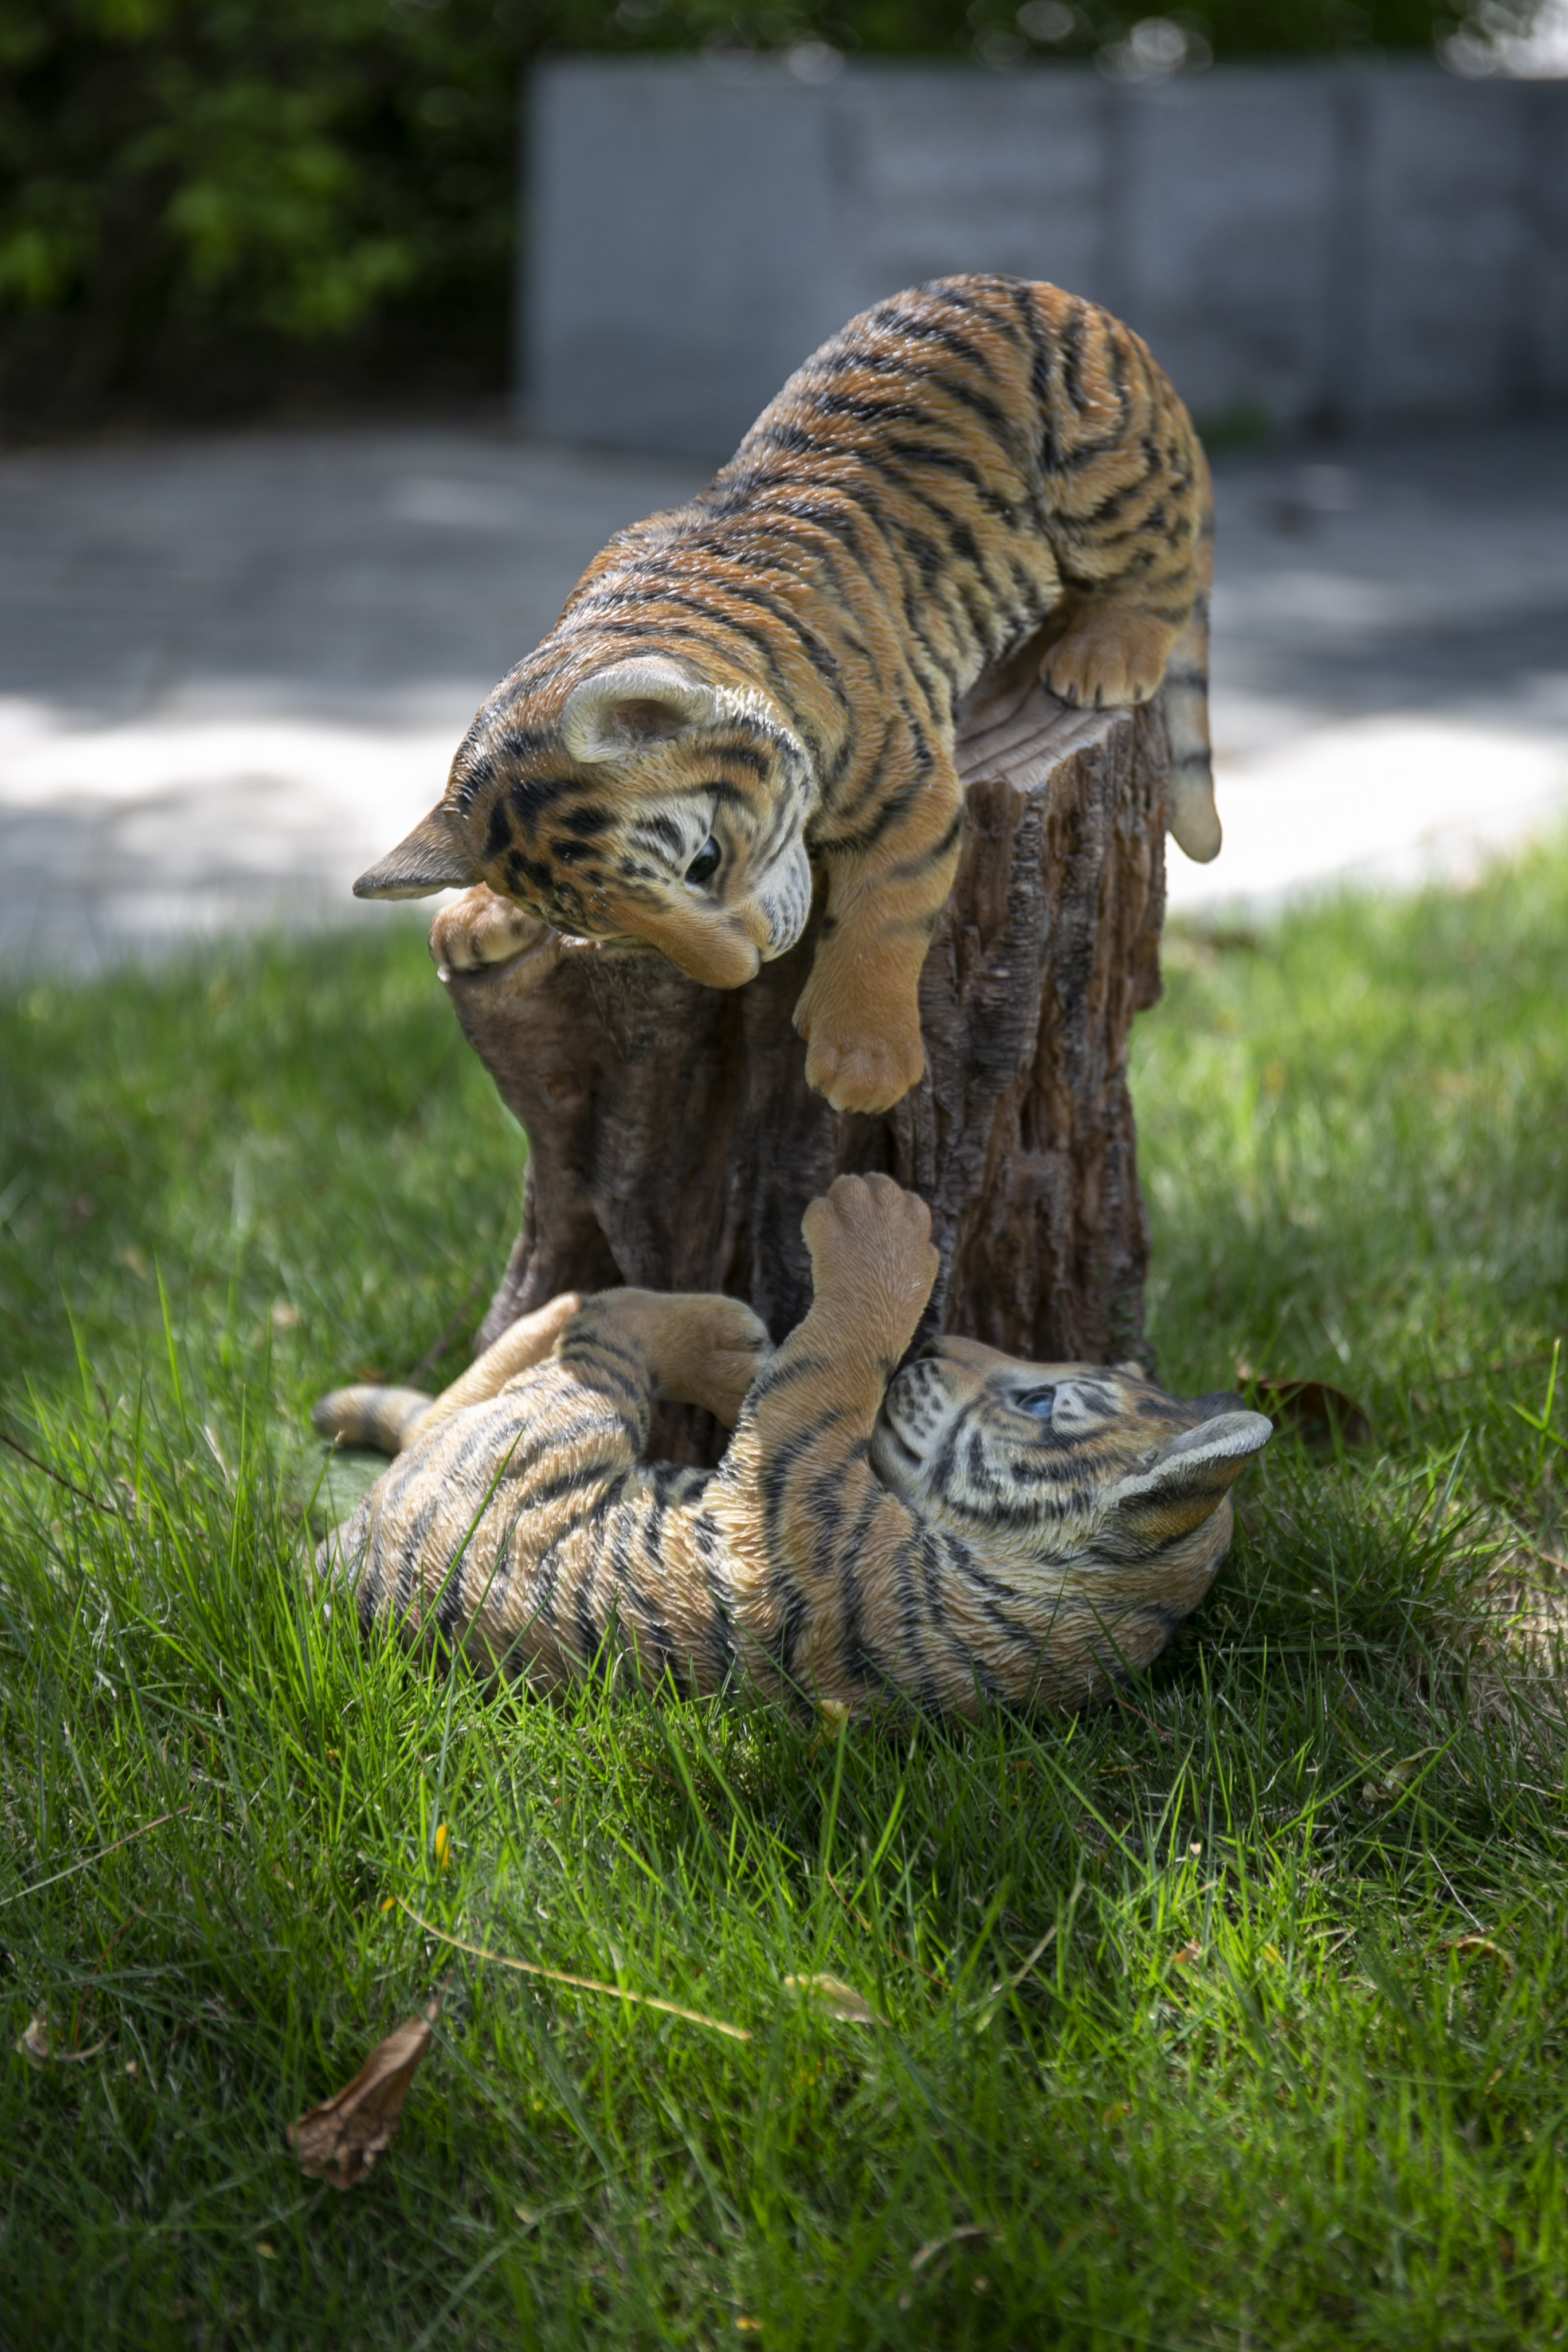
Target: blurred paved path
(233, 670)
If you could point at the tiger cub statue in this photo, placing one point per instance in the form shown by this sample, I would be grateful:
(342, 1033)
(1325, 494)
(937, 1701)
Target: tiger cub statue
(969, 1529)
(769, 674)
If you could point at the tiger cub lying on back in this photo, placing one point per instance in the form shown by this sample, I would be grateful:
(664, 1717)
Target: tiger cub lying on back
(770, 673)
(974, 1528)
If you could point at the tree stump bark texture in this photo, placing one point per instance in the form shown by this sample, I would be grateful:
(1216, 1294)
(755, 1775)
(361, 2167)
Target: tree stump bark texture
(674, 1143)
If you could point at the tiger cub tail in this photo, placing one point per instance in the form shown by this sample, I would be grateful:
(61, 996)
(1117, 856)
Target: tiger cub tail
(385, 1420)
(1192, 816)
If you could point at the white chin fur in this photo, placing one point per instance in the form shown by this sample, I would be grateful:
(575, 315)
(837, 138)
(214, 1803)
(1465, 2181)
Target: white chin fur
(785, 899)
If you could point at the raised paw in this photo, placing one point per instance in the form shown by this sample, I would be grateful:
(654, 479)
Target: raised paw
(856, 1070)
(872, 1258)
(483, 928)
(1108, 658)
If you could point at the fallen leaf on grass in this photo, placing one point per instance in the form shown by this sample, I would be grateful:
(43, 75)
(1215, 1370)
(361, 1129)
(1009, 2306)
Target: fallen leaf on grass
(836, 1999)
(37, 2044)
(1320, 1416)
(1396, 1778)
(1468, 1947)
(340, 2141)
(923, 2254)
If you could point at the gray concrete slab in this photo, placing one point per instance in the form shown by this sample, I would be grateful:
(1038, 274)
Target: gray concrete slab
(233, 670)
(1363, 245)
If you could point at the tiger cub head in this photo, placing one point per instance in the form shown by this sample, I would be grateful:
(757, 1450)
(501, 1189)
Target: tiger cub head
(1082, 1478)
(639, 802)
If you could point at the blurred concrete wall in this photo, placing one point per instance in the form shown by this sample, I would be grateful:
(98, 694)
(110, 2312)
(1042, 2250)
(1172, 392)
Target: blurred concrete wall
(1321, 245)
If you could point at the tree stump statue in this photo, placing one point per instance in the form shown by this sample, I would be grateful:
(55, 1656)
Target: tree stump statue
(674, 1143)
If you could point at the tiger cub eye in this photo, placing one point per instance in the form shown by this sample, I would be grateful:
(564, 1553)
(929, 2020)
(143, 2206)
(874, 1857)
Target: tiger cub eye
(1036, 1401)
(705, 865)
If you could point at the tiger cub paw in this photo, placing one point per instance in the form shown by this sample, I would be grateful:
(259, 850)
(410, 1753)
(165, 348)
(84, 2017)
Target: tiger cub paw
(730, 1354)
(705, 1350)
(483, 928)
(857, 1072)
(1107, 659)
(872, 1258)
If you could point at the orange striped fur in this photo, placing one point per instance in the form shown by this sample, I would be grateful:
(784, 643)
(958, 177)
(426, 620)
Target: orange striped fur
(967, 1528)
(758, 689)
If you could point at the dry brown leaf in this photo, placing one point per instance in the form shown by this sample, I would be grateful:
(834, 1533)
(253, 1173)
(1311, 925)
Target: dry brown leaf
(1320, 1416)
(836, 1999)
(340, 2141)
(1468, 1947)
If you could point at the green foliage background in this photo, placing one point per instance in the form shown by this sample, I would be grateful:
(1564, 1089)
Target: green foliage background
(209, 205)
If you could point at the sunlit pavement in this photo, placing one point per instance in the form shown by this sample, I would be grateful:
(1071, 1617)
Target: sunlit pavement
(233, 670)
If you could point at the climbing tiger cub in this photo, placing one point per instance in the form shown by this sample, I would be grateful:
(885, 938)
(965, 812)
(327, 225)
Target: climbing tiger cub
(768, 676)
(969, 1528)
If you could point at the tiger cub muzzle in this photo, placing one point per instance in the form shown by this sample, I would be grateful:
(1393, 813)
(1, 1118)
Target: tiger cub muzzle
(657, 810)
(1060, 1461)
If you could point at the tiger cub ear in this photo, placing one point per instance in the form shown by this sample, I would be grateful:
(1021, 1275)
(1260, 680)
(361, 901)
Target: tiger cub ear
(1184, 1485)
(433, 857)
(632, 703)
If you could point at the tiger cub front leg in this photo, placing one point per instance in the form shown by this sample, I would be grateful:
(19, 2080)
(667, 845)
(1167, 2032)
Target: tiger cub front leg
(859, 1012)
(810, 1531)
(872, 1267)
(483, 928)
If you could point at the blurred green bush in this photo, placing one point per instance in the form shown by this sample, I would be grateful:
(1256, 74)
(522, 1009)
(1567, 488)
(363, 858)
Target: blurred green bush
(214, 206)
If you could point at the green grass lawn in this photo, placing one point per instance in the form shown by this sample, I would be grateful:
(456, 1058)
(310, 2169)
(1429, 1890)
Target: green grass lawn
(1232, 2015)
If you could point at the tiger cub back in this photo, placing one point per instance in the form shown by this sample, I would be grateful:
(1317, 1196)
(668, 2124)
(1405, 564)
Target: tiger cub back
(756, 691)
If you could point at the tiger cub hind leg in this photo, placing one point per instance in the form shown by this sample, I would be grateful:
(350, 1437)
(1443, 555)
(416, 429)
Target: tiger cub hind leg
(388, 1419)
(701, 1348)
(1112, 650)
